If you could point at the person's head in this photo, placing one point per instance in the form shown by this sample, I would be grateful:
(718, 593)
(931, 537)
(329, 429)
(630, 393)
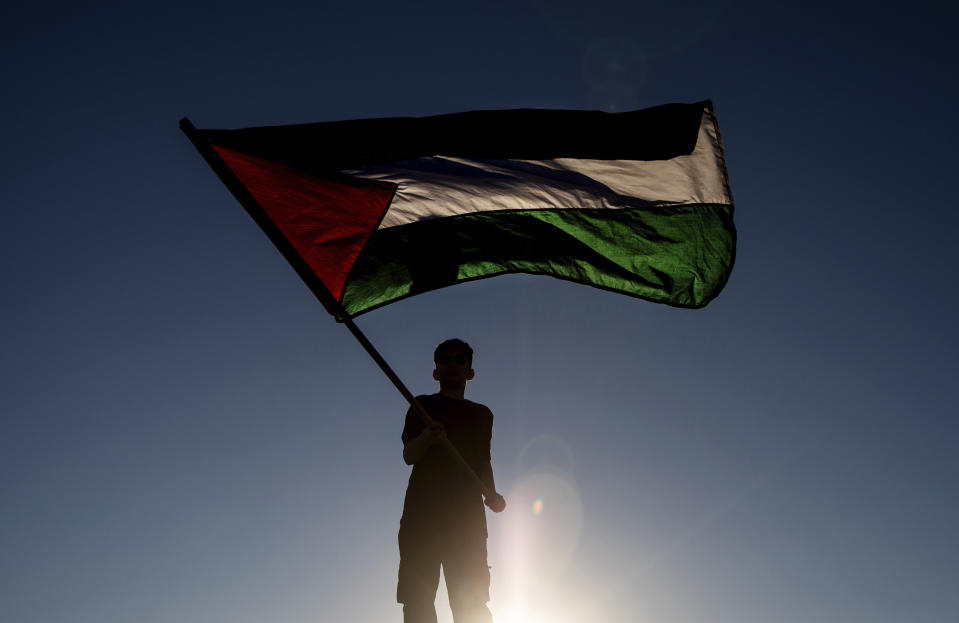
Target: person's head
(454, 345)
(454, 363)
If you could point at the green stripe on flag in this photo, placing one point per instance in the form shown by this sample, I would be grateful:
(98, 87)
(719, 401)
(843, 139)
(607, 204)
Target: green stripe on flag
(679, 255)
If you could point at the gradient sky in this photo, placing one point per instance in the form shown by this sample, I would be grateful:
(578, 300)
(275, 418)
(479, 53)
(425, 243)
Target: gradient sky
(187, 437)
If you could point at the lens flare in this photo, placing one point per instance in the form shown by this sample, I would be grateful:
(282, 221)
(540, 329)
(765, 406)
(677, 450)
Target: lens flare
(541, 543)
(534, 548)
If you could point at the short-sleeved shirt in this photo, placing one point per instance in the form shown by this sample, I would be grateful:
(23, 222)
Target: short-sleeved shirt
(441, 496)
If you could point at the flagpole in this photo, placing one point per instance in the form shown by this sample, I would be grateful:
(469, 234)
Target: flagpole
(319, 289)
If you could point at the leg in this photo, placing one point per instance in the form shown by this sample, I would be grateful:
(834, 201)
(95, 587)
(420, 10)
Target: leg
(467, 580)
(419, 576)
(419, 613)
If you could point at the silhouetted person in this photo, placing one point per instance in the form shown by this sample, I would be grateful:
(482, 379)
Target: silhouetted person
(444, 522)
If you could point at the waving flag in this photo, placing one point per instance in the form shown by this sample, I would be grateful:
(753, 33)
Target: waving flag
(377, 210)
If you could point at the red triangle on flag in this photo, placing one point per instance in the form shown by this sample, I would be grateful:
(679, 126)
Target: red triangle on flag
(327, 221)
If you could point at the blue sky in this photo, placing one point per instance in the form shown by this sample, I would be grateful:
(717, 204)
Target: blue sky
(187, 436)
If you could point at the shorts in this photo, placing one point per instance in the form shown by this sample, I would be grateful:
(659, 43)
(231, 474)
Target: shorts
(463, 558)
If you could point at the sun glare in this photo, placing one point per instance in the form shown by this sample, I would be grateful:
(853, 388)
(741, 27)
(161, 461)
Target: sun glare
(535, 545)
(520, 617)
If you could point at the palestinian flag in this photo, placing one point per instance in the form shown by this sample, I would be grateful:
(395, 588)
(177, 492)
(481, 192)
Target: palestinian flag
(376, 210)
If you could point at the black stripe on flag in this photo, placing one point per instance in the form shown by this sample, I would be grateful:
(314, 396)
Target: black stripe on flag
(323, 149)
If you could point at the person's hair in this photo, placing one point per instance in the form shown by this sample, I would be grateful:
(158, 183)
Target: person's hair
(454, 344)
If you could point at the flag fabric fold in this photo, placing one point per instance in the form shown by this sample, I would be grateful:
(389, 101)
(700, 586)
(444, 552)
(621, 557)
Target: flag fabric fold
(382, 209)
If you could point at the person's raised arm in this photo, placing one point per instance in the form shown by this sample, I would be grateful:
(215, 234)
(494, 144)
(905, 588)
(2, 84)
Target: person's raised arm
(414, 449)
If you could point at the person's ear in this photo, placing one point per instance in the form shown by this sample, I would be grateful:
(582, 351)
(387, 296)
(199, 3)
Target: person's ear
(436, 375)
(471, 374)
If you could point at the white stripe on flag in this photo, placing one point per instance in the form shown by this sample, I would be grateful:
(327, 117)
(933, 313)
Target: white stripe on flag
(438, 187)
